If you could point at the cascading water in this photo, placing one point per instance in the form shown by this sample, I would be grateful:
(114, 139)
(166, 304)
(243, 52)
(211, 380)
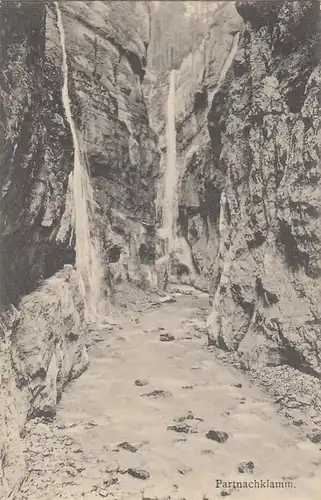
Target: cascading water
(87, 255)
(169, 207)
(226, 66)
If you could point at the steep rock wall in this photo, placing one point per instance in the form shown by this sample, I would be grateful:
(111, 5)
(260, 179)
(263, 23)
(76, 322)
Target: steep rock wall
(265, 129)
(198, 184)
(106, 46)
(106, 52)
(36, 152)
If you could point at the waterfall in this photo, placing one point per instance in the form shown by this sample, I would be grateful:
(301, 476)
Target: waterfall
(169, 207)
(87, 255)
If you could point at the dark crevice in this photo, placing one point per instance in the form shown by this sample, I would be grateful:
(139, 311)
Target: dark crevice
(268, 298)
(147, 253)
(294, 257)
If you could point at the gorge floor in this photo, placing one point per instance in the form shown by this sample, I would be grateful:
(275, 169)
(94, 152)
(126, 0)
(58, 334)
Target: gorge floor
(135, 424)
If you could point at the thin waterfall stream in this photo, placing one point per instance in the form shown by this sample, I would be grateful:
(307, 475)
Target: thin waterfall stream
(88, 263)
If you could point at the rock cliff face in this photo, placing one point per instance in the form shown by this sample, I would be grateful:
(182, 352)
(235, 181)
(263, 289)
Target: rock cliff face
(265, 130)
(42, 338)
(198, 194)
(106, 45)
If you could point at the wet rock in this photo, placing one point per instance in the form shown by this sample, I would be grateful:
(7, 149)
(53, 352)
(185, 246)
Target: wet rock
(157, 393)
(218, 436)
(138, 473)
(166, 337)
(141, 383)
(239, 385)
(315, 437)
(180, 427)
(189, 416)
(187, 387)
(246, 467)
(128, 447)
(225, 493)
(184, 471)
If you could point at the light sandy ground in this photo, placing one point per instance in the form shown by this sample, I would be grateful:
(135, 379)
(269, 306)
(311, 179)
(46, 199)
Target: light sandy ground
(77, 456)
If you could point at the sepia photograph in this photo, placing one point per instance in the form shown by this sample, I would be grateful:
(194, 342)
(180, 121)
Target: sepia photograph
(160, 249)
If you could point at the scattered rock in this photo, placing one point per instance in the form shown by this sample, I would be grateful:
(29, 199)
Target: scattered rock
(138, 473)
(207, 452)
(157, 393)
(218, 436)
(180, 427)
(167, 300)
(141, 383)
(189, 416)
(187, 387)
(154, 494)
(109, 482)
(238, 385)
(246, 467)
(298, 422)
(90, 425)
(225, 493)
(184, 471)
(42, 429)
(127, 446)
(166, 337)
(315, 438)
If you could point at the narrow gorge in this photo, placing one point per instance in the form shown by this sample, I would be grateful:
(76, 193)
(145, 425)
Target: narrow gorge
(160, 250)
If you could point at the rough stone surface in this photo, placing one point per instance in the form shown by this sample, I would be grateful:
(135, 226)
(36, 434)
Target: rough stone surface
(106, 43)
(265, 129)
(42, 348)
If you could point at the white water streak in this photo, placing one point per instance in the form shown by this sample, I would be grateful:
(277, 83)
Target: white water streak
(87, 256)
(170, 178)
